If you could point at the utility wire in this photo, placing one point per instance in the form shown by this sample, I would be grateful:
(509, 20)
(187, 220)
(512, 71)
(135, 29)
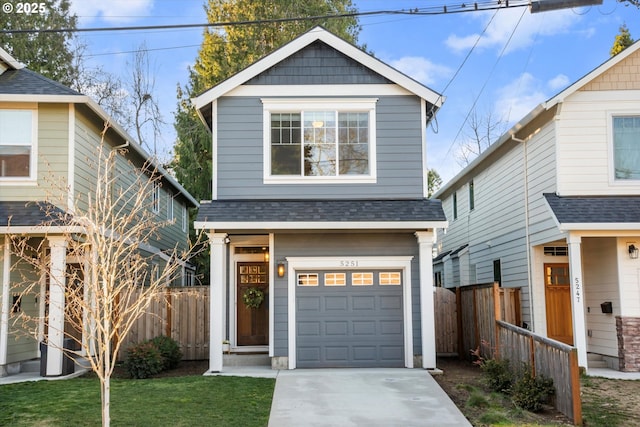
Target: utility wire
(433, 10)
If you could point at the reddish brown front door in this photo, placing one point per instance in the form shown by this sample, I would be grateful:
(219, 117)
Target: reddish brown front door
(253, 323)
(557, 289)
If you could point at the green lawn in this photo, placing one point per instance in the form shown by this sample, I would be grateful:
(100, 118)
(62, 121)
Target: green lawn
(179, 401)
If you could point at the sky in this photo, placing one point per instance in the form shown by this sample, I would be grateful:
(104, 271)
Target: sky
(499, 63)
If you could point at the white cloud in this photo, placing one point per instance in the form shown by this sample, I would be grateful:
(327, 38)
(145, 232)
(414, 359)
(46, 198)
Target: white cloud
(558, 82)
(420, 69)
(529, 28)
(518, 98)
(113, 11)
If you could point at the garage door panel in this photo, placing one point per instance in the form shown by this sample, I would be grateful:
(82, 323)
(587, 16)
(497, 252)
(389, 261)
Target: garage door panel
(308, 303)
(339, 303)
(335, 328)
(360, 325)
(390, 302)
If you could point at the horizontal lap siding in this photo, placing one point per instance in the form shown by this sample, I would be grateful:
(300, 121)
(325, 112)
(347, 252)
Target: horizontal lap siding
(349, 245)
(240, 154)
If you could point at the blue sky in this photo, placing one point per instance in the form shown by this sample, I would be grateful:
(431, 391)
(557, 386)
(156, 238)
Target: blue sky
(519, 60)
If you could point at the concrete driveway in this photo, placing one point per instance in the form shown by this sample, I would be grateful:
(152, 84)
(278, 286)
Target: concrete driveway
(361, 397)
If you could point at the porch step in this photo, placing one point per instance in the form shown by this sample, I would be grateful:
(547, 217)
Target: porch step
(596, 361)
(246, 360)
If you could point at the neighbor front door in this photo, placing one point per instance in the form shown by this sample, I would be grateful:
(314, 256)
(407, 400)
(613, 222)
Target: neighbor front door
(557, 289)
(253, 323)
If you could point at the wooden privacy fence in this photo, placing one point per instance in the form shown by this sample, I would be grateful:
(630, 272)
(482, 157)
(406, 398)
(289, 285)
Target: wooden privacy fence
(547, 357)
(446, 321)
(183, 314)
(478, 307)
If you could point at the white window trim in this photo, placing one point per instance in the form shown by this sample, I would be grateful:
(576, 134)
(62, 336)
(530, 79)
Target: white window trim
(155, 202)
(613, 181)
(184, 218)
(287, 105)
(402, 263)
(170, 212)
(32, 179)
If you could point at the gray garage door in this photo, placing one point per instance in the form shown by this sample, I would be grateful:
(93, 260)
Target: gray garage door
(349, 319)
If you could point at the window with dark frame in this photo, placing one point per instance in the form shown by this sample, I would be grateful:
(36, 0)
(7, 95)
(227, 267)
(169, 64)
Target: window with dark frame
(472, 202)
(497, 272)
(455, 205)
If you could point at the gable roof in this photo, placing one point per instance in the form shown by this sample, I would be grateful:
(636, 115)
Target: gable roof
(19, 84)
(304, 40)
(536, 112)
(592, 212)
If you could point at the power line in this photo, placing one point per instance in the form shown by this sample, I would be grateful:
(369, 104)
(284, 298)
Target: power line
(424, 11)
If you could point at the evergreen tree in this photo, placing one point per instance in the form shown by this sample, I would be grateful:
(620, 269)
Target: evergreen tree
(50, 54)
(623, 40)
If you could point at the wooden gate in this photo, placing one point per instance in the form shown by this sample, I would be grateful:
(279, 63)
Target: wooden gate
(446, 315)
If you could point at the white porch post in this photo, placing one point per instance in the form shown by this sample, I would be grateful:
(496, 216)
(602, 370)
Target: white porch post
(57, 284)
(4, 316)
(577, 299)
(427, 317)
(216, 300)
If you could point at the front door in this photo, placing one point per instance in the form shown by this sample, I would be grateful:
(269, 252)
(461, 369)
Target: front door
(557, 289)
(253, 322)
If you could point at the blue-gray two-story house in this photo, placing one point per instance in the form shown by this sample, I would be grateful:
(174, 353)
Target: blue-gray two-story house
(320, 228)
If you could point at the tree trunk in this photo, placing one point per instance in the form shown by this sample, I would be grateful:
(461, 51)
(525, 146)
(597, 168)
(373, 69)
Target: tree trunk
(106, 402)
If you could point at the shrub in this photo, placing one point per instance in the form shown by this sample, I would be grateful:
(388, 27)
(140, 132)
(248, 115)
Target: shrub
(531, 392)
(143, 360)
(169, 350)
(497, 374)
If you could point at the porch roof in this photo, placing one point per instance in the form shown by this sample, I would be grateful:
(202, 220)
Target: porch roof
(595, 212)
(29, 214)
(321, 213)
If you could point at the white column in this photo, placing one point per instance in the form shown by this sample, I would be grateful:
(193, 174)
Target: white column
(5, 298)
(427, 316)
(577, 299)
(57, 284)
(216, 299)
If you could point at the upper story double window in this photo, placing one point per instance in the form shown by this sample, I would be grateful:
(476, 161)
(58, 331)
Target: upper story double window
(18, 133)
(319, 141)
(626, 147)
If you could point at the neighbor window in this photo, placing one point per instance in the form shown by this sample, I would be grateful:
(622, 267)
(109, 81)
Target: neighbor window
(17, 143)
(156, 197)
(322, 140)
(455, 205)
(472, 199)
(626, 147)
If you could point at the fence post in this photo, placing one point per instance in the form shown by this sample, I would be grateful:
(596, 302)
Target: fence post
(532, 355)
(461, 355)
(575, 387)
(496, 316)
(167, 325)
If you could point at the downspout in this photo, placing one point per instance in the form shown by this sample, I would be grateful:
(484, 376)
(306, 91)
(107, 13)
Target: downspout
(526, 224)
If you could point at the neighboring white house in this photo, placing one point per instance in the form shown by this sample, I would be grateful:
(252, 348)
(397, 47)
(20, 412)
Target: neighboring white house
(553, 206)
(319, 205)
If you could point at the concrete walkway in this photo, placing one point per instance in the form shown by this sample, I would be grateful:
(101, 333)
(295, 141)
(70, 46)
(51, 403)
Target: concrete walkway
(361, 397)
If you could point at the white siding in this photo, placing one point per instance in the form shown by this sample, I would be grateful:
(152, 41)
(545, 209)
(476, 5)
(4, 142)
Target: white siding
(601, 284)
(629, 273)
(585, 166)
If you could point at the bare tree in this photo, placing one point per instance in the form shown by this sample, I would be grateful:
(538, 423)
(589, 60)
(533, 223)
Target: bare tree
(111, 230)
(482, 130)
(141, 85)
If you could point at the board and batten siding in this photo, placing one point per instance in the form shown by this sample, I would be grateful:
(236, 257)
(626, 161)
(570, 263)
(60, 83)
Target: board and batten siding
(348, 245)
(240, 159)
(52, 142)
(585, 164)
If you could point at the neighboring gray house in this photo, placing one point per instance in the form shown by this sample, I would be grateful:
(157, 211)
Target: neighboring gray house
(553, 207)
(48, 139)
(319, 204)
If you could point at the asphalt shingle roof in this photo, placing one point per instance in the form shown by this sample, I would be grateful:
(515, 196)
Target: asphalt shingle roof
(321, 210)
(27, 82)
(596, 209)
(19, 214)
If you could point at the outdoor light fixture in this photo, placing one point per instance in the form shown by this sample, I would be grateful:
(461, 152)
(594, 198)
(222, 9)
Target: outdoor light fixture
(547, 5)
(633, 251)
(280, 269)
(266, 254)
